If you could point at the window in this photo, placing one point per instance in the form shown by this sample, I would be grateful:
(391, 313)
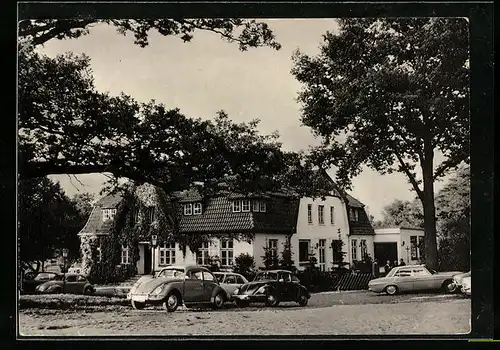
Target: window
(273, 247)
(197, 275)
(420, 246)
(262, 206)
(356, 215)
(309, 213)
(295, 279)
(421, 272)
(207, 276)
(197, 209)
(226, 252)
(135, 216)
(188, 209)
(151, 214)
(167, 254)
(413, 246)
(321, 214)
(285, 276)
(236, 206)
(353, 214)
(354, 249)
(304, 250)
(125, 255)
(321, 253)
(80, 278)
(255, 206)
(203, 255)
(99, 254)
(332, 215)
(403, 273)
(108, 214)
(70, 278)
(240, 280)
(364, 250)
(245, 206)
(230, 279)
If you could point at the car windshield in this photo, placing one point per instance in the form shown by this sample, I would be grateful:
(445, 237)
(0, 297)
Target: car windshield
(171, 273)
(266, 276)
(44, 276)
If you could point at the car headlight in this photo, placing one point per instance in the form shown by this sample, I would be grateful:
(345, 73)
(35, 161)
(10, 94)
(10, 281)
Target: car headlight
(236, 291)
(158, 290)
(261, 289)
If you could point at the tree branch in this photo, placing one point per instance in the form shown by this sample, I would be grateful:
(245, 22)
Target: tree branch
(414, 183)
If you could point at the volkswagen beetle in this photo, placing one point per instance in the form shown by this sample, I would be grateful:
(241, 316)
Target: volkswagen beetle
(178, 285)
(272, 287)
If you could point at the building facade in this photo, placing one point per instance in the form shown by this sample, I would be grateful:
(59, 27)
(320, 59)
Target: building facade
(395, 243)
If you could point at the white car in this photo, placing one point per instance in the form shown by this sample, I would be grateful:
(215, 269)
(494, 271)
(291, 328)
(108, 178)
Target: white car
(466, 286)
(230, 281)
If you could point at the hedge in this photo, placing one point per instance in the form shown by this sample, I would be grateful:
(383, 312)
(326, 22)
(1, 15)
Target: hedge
(68, 301)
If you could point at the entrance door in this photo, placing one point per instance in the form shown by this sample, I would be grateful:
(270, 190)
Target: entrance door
(147, 259)
(385, 251)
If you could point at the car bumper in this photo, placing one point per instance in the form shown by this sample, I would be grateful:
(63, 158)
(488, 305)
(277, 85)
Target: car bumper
(376, 289)
(144, 298)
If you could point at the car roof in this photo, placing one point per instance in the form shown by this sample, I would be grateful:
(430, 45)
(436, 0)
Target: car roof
(186, 267)
(278, 270)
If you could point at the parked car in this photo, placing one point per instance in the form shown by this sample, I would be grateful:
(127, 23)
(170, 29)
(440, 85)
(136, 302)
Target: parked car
(177, 285)
(272, 287)
(457, 280)
(32, 280)
(466, 285)
(229, 281)
(413, 278)
(66, 283)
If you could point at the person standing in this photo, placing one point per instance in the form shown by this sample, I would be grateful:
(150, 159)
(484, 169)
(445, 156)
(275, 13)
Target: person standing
(395, 263)
(387, 267)
(401, 262)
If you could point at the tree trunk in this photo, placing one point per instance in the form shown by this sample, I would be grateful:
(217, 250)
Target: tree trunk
(430, 240)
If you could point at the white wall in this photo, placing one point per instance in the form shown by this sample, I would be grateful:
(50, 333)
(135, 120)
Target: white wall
(260, 241)
(315, 231)
(398, 236)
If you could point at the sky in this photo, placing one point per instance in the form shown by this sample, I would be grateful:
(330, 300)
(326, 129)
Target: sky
(209, 74)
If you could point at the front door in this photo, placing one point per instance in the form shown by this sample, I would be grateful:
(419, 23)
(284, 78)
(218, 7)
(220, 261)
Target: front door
(147, 259)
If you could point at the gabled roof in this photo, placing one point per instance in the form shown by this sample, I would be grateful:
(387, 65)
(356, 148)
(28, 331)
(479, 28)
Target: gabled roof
(353, 202)
(94, 223)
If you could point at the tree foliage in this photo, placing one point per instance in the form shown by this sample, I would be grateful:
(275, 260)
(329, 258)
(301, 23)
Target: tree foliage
(388, 94)
(48, 221)
(402, 213)
(247, 33)
(453, 203)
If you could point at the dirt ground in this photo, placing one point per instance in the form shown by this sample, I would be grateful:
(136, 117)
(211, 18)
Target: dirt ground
(327, 314)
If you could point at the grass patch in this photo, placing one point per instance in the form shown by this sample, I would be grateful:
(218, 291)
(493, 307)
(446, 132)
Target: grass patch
(68, 301)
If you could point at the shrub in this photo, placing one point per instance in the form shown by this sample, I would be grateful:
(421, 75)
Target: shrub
(67, 301)
(244, 264)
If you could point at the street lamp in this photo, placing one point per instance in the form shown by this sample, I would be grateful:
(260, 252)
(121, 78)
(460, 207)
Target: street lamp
(65, 255)
(154, 241)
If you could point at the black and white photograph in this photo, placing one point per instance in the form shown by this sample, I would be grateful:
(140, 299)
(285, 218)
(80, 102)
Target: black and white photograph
(196, 176)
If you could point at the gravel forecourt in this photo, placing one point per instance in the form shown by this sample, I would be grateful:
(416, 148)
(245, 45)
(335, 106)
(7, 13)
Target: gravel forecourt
(328, 314)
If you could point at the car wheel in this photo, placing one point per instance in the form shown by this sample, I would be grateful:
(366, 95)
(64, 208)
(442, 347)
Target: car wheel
(88, 290)
(137, 305)
(219, 300)
(391, 290)
(449, 287)
(272, 300)
(302, 299)
(57, 290)
(171, 302)
(241, 303)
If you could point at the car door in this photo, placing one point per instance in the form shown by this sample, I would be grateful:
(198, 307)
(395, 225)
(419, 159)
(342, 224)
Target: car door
(71, 284)
(81, 281)
(209, 284)
(281, 286)
(289, 288)
(423, 279)
(194, 289)
(404, 279)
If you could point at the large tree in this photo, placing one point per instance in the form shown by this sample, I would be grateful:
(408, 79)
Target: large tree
(390, 94)
(66, 126)
(48, 221)
(402, 213)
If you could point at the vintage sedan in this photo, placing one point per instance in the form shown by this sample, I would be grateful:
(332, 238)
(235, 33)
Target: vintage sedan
(177, 285)
(466, 286)
(272, 287)
(413, 278)
(230, 281)
(457, 280)
(66, 283)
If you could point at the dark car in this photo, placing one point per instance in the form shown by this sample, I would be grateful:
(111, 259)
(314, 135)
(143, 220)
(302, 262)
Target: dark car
(66, 283)
(32, 280)
(177, 285)
(272, 287)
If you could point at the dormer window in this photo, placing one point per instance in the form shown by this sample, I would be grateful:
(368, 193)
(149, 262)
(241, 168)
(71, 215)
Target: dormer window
(188, 209)
(262, 206)
(197, 209)
(354, 215)
(108, 214)
(245, 205)
(236, 206)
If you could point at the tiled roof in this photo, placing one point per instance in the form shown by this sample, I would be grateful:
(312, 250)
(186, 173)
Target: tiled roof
(110, 201)
(94, 223)
(362, 226)
(218, 217)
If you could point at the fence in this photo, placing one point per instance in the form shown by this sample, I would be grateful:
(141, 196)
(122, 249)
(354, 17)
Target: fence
(350, 281)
